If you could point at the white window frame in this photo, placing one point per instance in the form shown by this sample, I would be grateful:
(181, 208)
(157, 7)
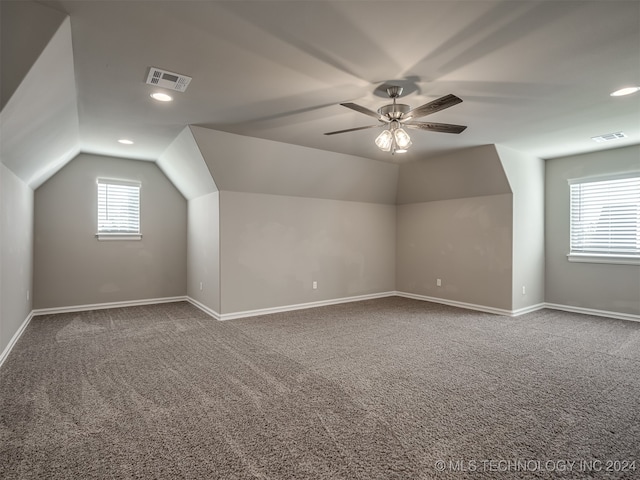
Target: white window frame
(586, 203)
(114, 233)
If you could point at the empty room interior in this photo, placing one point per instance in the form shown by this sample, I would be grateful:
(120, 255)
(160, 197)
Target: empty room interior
(320, 239)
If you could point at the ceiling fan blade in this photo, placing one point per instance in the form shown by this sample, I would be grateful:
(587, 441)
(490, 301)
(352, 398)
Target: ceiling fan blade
(361, 109)
(434, 106)
(351, 129)
(437, 127)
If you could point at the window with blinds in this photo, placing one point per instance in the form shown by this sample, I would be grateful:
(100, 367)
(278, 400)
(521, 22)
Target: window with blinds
(605, 218)
(118, 209)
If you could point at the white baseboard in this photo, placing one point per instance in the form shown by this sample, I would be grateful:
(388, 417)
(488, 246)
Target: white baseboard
(529, 309)
(455, 303)
(522, 311)
(204, 308)
(591, 311)
(103, 306)
(15, 338)
(302, 306)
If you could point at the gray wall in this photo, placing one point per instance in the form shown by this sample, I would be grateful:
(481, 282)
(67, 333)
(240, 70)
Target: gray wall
(465, 242)
(73, 268)
(16, 247)
(526, 178)
(606, 287)
(273, 247)
(290, 215)
(203, 250)
(455, 223)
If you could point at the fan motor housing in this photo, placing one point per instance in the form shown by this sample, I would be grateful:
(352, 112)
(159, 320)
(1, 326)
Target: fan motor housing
(394, 111)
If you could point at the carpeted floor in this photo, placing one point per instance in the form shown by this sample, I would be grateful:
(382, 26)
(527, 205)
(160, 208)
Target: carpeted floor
(388, 389)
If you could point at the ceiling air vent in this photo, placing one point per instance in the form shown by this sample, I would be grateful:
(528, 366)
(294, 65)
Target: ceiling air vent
(170, 80)
(607, 137)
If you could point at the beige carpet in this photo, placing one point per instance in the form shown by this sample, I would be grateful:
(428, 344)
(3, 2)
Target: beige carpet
(388, 389)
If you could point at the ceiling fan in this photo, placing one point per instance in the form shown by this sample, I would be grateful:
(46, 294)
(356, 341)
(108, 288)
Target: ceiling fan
(395, 139)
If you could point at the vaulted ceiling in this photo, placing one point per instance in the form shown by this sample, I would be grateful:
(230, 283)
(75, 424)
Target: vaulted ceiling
(533, 75)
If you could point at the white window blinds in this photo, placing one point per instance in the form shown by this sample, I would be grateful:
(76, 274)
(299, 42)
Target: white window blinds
(605, 216)
(118, 207)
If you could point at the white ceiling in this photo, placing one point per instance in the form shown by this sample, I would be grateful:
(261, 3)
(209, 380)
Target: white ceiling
(533, 75)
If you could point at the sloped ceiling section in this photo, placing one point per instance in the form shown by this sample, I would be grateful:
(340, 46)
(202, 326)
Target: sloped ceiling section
(253, 165)
(39, 123)
(470, 172)
(182, 162)
(25, 31)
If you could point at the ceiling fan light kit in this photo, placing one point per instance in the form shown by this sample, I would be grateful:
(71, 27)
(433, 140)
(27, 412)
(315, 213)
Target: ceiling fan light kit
(395, 139)
(384, 141)
(403, 141)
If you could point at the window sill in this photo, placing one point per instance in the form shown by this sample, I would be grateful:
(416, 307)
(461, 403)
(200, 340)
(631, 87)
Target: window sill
(610, 259)
(118, 236)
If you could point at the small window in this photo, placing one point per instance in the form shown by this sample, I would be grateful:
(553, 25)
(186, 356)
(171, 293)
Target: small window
(605, 219)
(118, 210)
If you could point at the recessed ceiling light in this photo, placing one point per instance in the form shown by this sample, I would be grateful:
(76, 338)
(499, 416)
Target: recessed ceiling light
(625, 91)
(161, 97)
(125, 141)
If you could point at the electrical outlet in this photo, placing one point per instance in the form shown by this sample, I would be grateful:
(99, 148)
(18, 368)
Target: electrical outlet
(200, 286)
(524, 290)
(438, 282)
(27, 295)
(315, 285)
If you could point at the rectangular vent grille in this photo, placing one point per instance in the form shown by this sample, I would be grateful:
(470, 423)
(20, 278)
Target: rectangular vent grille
(607, 137)
(170, 80)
